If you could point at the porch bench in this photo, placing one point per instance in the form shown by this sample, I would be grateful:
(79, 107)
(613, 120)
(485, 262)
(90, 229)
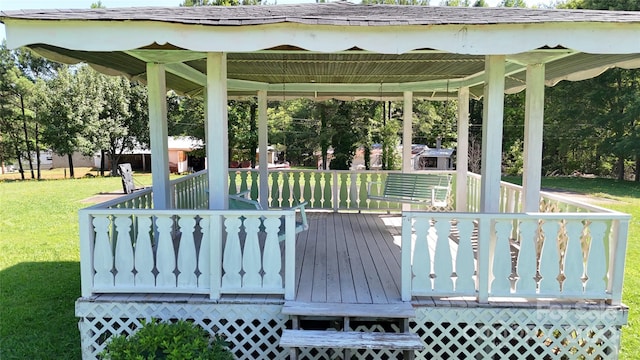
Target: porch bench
(424, 189)
(240, 201)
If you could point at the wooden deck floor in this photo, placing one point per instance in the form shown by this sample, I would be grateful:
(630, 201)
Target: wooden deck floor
(349, 258)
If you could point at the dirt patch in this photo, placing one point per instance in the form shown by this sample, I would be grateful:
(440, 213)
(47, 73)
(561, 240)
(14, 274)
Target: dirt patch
(102, 197)
(585, 198)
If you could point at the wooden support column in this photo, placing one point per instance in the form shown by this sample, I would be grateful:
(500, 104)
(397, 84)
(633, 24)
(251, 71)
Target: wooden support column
(533, 130)
(462, 152)
(217, 130)
(263, 134)
(157, 89)
(492, 133)
(407, 130)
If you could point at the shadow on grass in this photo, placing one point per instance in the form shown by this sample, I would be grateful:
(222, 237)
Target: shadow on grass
(591, 186)
(37, 311)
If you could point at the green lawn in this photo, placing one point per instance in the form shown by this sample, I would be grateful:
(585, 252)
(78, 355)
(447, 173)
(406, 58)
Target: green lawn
(39, 268)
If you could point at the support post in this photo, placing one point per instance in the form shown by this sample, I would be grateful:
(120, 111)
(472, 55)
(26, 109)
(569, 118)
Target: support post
(492, 134)
(217, 130)
(158, 135)
(407, 123)
(462, 153)
(533, 130)
(263, 134)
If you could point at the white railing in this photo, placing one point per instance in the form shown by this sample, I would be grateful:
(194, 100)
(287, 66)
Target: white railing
(186, 251)
(530, 256)
(190, 192)
(321, 189)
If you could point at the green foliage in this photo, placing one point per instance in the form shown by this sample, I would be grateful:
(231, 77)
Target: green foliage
(181, 340)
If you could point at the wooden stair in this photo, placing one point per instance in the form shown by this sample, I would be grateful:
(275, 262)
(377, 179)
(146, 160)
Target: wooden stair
(346, 339)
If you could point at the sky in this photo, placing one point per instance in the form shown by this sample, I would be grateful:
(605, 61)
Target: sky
(85, 4)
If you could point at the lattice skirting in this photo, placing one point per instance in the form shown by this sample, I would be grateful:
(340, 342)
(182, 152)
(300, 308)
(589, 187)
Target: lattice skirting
(253, 330)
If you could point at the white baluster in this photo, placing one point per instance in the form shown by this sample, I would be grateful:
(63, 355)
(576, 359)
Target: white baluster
(251, 261)
(232, 257)
(465, 263)
(102, 254)
(124, 252)
(596, 263)
(204, 260)
(187, 253)
(573, 259)
(549, 259)
(421, 259)
(501, 259)
(527, 257)
(442, 261)
(144, 254)
(165, 256)
(271, 262)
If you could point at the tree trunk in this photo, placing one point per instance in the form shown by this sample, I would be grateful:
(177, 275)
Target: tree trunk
(620, 167)
(102, 155)
(19, 156)
(38, 152)
(253, 129)
(71, 173)
(26, 136)
(637, 172)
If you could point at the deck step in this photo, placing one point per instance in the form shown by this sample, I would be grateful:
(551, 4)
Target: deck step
(350, 340)
(393, 311)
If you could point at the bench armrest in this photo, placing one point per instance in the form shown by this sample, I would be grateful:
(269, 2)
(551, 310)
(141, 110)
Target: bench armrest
(369, 186)
(303, 215)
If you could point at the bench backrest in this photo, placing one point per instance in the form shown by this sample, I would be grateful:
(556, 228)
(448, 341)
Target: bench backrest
(418, 186)
(237, 202)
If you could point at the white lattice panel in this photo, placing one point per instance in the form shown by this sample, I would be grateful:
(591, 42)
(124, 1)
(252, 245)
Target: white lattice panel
(253, 330)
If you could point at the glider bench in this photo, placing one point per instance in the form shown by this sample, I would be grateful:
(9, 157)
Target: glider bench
(424, 189)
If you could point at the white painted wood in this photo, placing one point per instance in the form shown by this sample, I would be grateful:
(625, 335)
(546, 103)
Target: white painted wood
(442, 261)
(251, 257)
(165, 254)
(465, 38)
(492, 133)
(421, 262)
(399, 310)
(187, 264)
(272, 258)
(158, 135)
(350, 340)
(618, 248)
(527, 257)
(533, 129)
(550, 259)
(465, 263)
(485, 237)
(102, 253)
(406, 263)
(501, 267)
(218, 140)
(87, 244)
(462, 150)
(573, 259)
(407, 131)
(143, 257)
(596, 262)
(263, 141)
(213, 233)
(232, 256)
(124, 252)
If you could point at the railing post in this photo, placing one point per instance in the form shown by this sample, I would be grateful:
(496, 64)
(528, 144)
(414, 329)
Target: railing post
(215, 236)
(405, 260)
(617, 251)
(484, 239)
(335, 190)
(290, 257)
(86, 253)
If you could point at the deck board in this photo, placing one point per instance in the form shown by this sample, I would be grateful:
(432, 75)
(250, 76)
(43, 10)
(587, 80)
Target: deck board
(348, 258)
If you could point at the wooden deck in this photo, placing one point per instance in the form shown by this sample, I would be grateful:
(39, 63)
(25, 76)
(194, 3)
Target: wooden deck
(349, 258)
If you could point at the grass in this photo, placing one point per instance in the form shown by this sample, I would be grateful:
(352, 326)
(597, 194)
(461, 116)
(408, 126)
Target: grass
(40, 270)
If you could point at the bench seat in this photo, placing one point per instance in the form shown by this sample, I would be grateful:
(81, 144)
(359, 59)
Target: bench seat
(425, 189)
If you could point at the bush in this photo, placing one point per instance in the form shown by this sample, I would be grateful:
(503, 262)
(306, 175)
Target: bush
(175, 341)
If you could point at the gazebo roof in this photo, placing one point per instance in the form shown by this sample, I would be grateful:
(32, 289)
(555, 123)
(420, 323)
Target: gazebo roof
(338, 49)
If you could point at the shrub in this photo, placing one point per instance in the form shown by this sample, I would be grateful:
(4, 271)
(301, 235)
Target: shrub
(174, 341)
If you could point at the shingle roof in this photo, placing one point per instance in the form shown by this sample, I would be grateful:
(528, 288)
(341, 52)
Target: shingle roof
(337, 13)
